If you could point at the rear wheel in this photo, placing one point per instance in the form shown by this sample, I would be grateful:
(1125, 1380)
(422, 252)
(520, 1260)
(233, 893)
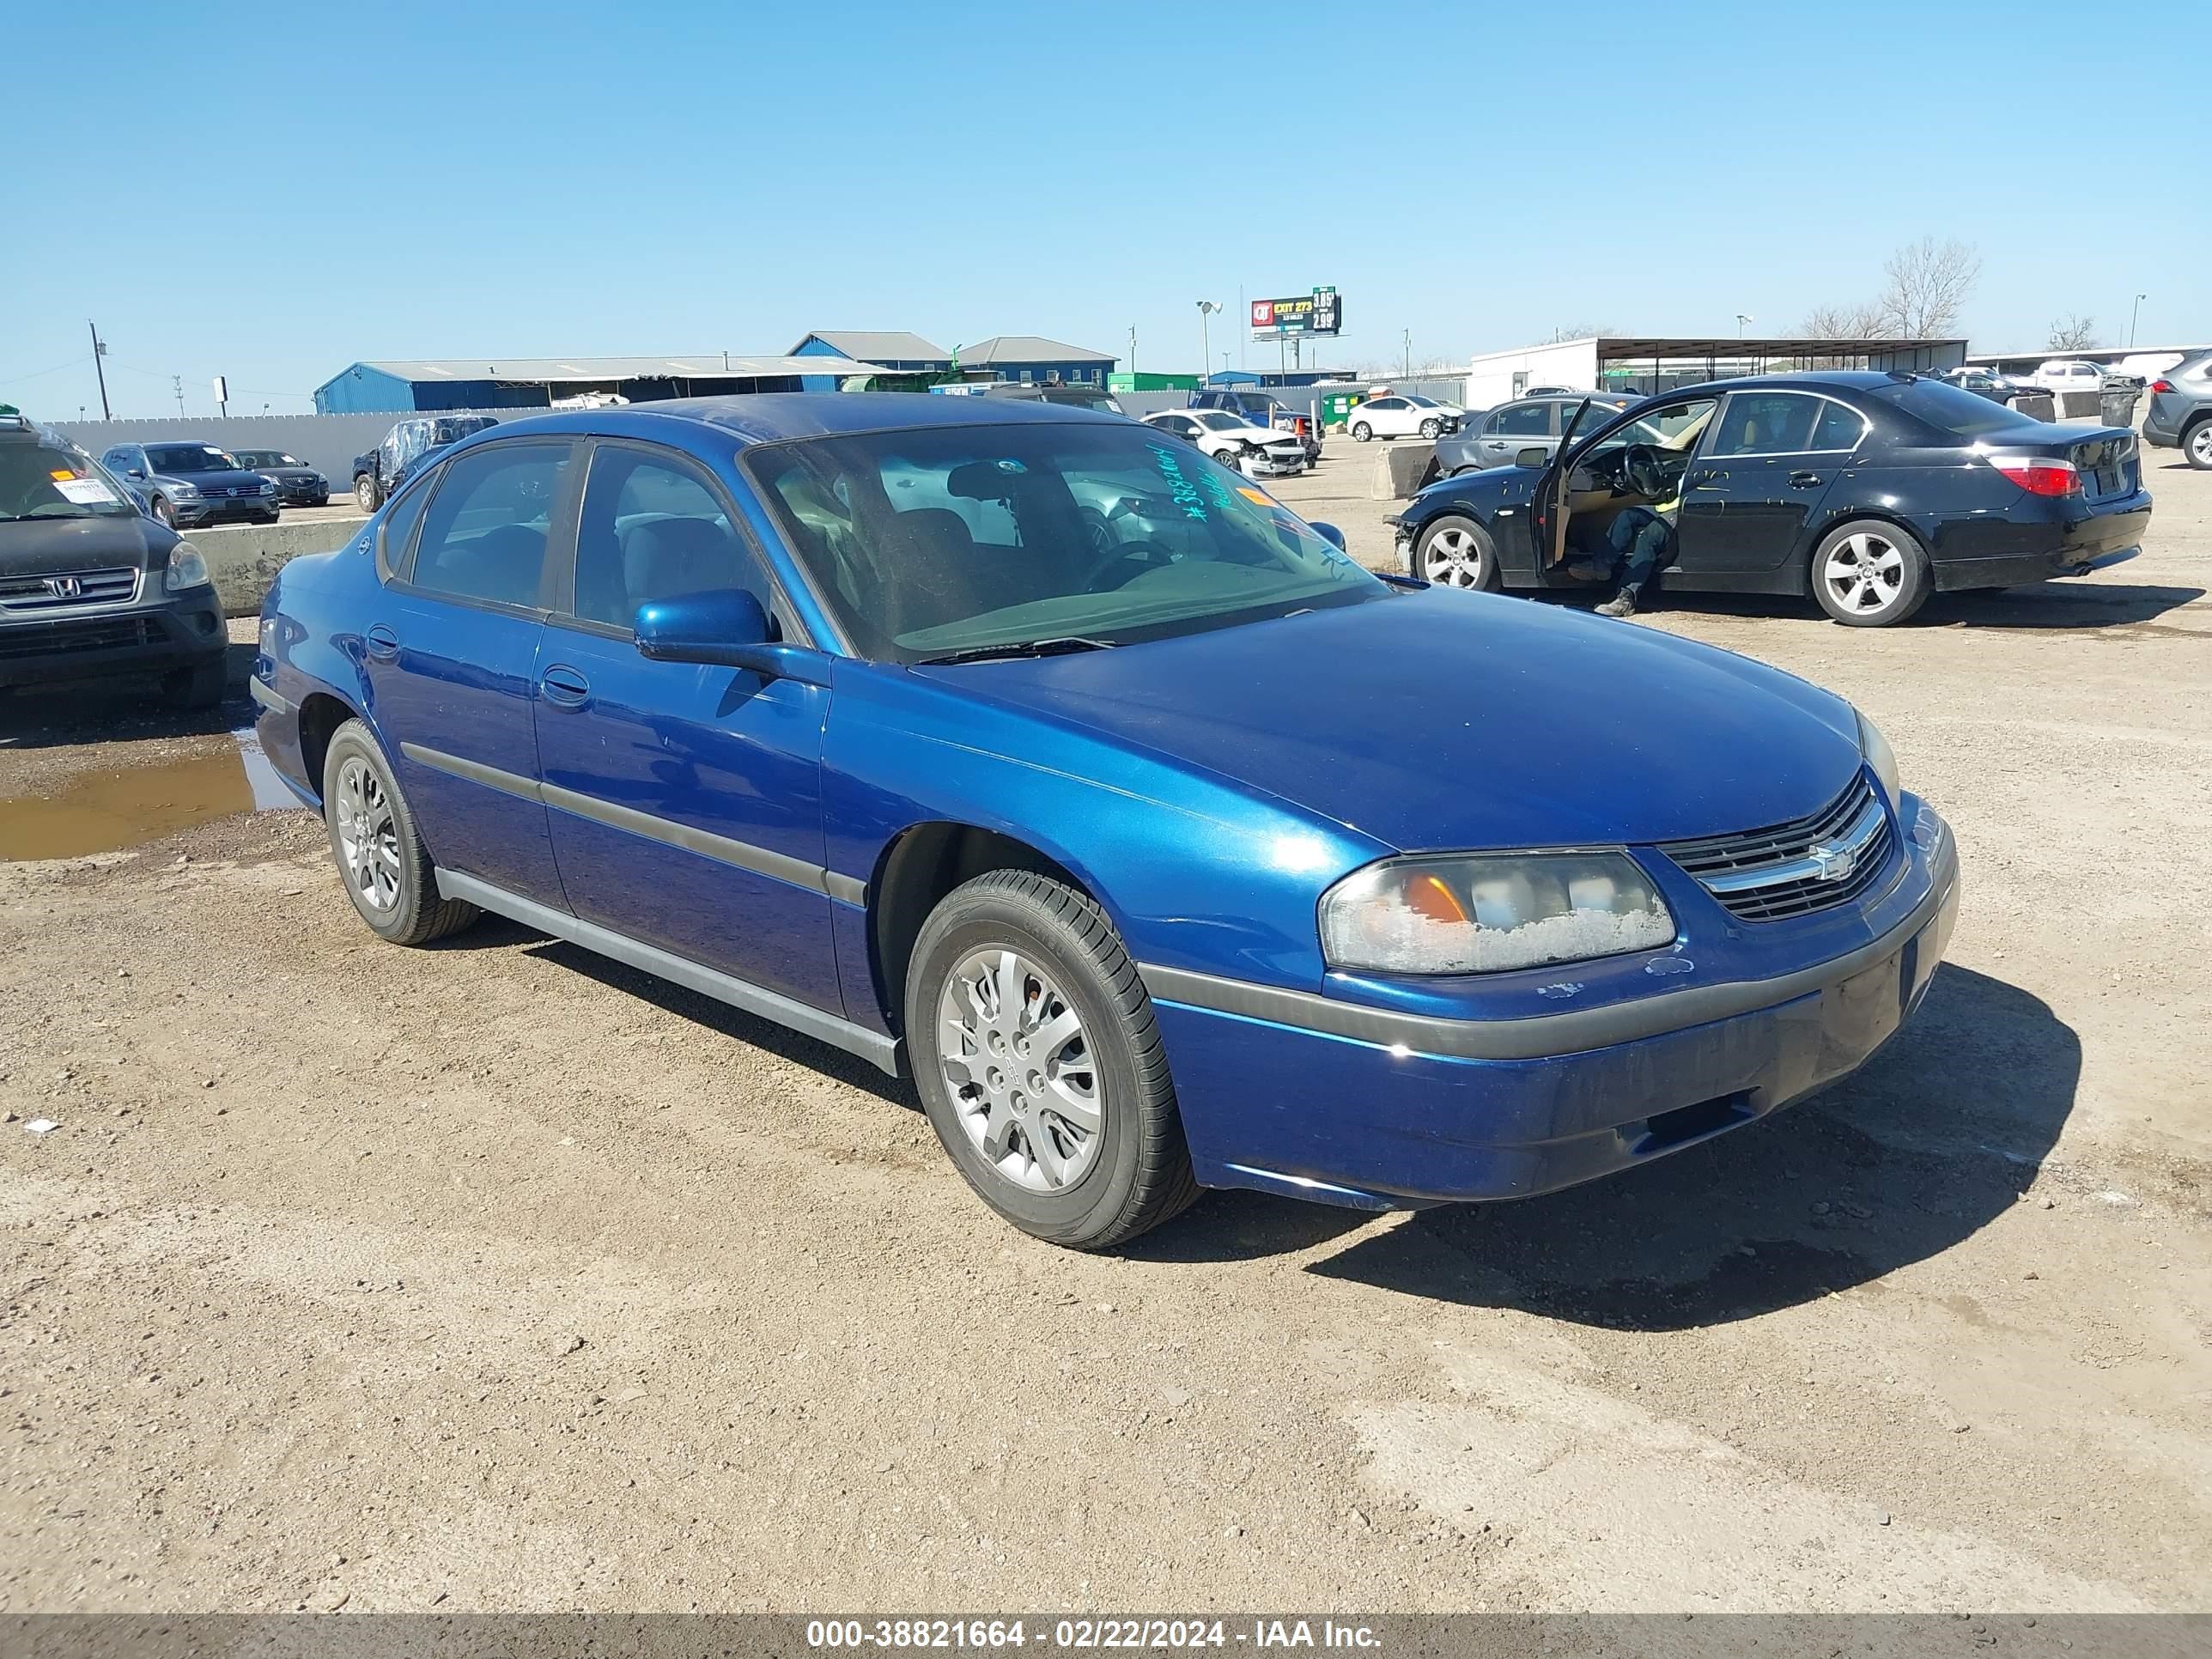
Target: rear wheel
(388, 873)
(366, 494)
(1868, 574)
(1040, 1065)
(2197, 444)
(1457, 552)
(1362, 433)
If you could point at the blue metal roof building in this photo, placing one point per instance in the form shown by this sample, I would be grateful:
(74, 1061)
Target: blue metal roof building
(422, 384)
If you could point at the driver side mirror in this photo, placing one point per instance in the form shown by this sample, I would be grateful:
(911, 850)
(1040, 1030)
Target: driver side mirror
(1533, 455)
(1331, 534)
(727, 629)
(135, 472)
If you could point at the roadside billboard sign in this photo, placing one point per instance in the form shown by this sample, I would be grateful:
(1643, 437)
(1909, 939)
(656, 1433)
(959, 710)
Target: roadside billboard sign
(1317, 312)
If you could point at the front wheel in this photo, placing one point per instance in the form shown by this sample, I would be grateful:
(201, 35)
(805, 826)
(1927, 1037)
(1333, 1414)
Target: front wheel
(164, 512)
(1040, 1065)
(388, 872)
(1362, 433)
(366, 494)
(1430, 429)
(2197, 444)
(1869, 574)
(1457, 552)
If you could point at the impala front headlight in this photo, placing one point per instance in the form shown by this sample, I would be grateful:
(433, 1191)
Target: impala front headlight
(1879, 755)
(1485, 913)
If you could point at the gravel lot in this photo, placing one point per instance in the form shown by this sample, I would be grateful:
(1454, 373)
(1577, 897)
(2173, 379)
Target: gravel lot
(494, 1276)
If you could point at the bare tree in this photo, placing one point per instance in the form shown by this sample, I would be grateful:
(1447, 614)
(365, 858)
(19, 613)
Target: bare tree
(1862, 322)
(1586, 332)
(1928, 284)
(2073, 333)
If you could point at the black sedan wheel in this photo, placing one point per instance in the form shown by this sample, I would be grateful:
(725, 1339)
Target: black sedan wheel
(1038, 1061)
(1457, 552)
(1868, 574)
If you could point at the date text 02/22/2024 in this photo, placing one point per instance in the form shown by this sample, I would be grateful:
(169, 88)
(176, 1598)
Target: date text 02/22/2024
(1084, 1634)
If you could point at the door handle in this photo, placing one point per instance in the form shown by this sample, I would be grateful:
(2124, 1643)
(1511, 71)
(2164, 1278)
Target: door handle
(382, 644)
(1708, 476)
(564, 686)
(1805, 481)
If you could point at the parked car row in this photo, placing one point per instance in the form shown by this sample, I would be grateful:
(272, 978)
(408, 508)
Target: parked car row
(973, 712)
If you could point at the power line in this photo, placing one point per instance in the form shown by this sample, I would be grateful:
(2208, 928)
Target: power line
(37, 374)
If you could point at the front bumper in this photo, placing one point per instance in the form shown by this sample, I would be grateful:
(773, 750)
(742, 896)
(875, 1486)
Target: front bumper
(182, 633)
(1350, 1117)
(195, 514)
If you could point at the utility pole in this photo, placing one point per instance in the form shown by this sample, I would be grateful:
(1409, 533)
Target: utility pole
(2134, 310)
(1408, 335)
(177, 386)
(100, 368)
(1132, 351)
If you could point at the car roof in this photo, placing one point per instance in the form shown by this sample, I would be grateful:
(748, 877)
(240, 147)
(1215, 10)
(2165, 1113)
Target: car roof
(1816, 380)
(764, 417)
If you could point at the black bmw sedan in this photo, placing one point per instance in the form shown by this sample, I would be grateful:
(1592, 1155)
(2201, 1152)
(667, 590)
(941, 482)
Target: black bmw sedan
(1870, 490)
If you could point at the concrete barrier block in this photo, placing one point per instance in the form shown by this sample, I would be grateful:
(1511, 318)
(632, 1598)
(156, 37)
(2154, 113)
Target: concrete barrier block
(243, 559)
(1400, 467)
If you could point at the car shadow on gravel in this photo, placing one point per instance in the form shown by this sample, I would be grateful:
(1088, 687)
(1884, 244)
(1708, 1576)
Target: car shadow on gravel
(2056, 605)
(128, 709)
(1937, 1137)
(497, 932)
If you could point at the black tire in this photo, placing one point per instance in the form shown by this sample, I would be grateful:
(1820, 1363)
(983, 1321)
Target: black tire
(201, 686)
(1476, 566)
(1431, 428)
(164, 512)
(1914, 583)
(1362, 432)
(1465, 471)
(1140, 1175)
(368, 494)
(2197, 444)
(416, 914)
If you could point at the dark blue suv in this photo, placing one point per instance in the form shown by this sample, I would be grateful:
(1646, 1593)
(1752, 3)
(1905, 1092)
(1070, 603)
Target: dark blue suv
(1019, 748)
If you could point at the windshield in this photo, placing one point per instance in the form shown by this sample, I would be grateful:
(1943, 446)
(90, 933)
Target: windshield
(1950, 408)
(53, 478)
(268, 458)
(952, 538)
(453, 431)
(191, 457)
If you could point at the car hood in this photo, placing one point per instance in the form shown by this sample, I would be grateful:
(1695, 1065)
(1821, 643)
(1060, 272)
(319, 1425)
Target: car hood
(226, 478)
(289, 474)
(1438, 719)
(46, 547)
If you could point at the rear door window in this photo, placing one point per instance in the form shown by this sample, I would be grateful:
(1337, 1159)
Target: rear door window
(1839, 428)
(1522, 420)
(1766, 423)
(485, 530)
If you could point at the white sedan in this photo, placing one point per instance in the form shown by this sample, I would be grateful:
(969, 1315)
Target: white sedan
(1401, 415)
(1258, 451)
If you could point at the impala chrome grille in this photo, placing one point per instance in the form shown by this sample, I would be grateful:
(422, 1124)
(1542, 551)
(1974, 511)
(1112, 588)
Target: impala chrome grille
(1794, 869)
(42, 595)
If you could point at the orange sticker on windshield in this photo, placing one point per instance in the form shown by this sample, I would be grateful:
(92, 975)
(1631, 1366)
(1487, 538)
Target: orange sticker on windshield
(61, 472)
(1257, 497)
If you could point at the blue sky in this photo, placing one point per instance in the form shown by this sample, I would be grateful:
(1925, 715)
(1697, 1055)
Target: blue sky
(275, 192)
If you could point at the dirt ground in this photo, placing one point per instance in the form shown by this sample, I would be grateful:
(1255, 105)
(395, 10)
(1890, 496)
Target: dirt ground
(493, 1276)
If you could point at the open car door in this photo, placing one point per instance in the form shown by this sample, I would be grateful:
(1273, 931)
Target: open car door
(1553, 489)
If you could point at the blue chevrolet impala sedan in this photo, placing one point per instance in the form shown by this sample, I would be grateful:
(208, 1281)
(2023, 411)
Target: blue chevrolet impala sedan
(1019, 748)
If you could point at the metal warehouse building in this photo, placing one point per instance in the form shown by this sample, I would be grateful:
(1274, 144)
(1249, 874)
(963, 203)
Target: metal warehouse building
(405, 387)
(1658, 363)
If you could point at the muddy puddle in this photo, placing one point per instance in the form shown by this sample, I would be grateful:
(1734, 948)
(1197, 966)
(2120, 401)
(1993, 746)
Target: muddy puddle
(125, 806)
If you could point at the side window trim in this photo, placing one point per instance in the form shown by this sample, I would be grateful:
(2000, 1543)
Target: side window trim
(560, 528)
(389, 569)
(1865, 426)
(561, 565)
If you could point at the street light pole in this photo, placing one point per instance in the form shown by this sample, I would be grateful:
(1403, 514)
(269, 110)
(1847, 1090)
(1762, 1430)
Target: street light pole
(1206, 310)
(1132, 351)
(2133, 311)
(1742, 318)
